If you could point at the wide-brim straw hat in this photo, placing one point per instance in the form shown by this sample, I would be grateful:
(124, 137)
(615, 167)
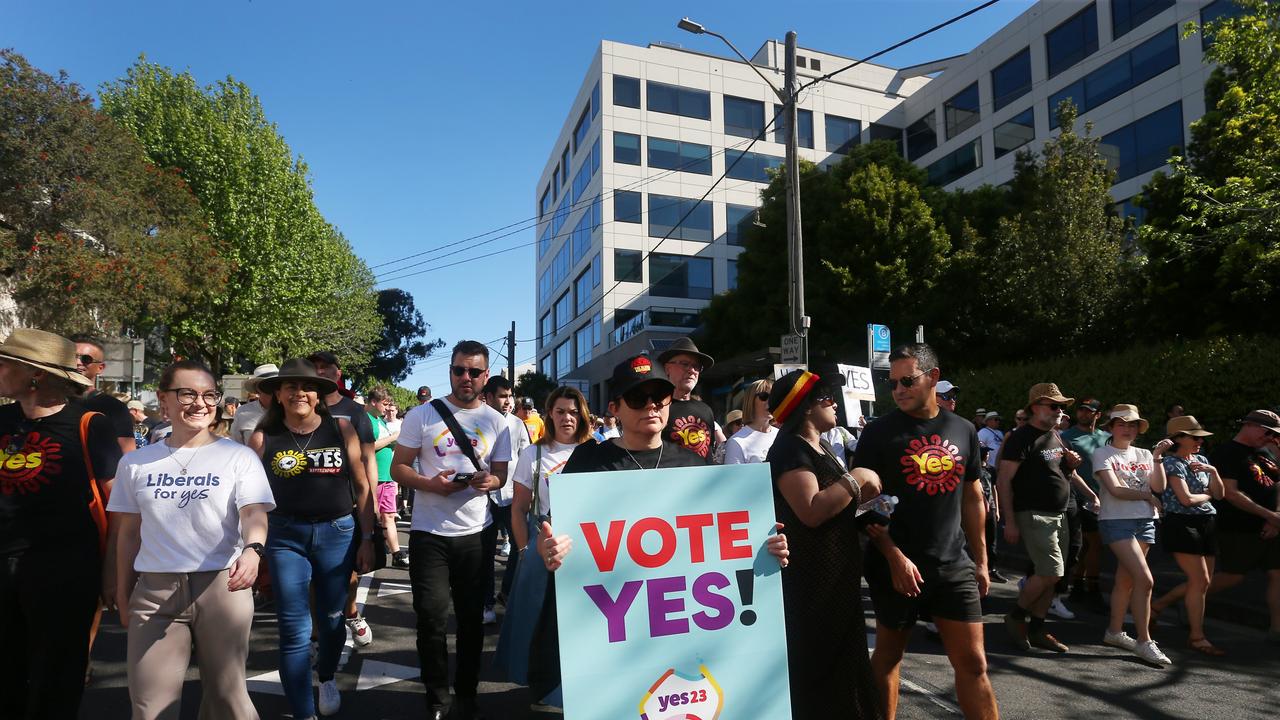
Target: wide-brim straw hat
(1127, 413)
(1185, 425)
(46, 351)
(1047, 391)
(297, 370)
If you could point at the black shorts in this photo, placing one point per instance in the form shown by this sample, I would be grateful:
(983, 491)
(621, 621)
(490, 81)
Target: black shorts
(1189, 534)
(1239, 553)
(949, 592)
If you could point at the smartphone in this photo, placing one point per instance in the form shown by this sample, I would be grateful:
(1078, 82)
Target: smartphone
(462, 478)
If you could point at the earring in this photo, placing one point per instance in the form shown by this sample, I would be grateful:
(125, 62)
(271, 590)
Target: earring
(35, 384)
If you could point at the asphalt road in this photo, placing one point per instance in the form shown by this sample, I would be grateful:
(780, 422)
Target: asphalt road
(1091, 681)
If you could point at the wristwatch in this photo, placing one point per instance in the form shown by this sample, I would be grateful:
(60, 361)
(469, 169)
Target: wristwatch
(258, 548)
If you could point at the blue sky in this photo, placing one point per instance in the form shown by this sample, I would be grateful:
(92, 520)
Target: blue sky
(427, 123)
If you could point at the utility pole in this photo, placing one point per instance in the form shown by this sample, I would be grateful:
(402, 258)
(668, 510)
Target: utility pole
(511, 353)
(795, 239)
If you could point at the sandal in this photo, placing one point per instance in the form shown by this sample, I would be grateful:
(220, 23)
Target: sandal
(1204, 647)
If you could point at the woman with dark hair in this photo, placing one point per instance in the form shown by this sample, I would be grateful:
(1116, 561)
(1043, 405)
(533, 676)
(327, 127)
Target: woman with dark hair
(816, 499)
(58, 463)
(191, 513)
(567, 428)
(313, 464)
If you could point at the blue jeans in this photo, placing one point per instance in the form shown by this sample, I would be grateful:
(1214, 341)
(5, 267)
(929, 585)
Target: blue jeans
(300, 553)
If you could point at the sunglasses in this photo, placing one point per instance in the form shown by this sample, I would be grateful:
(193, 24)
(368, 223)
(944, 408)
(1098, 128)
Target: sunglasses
(826, 400)
(459, 371)
(18, 440)
(762, 396)
(696, 367)
(88, 360)
(1053, 406)
(946, 396)
(906, 381)
(640, 399)
(187, 396)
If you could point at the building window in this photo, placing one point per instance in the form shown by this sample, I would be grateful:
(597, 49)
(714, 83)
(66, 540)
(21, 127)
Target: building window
(738, 218)
(583, 342)
(1145, 144)
(676, 100)
(548, 329)
(955, 165)
(588, 170)
(547, 366)
(1011, 79)
(1217, 11)
(582, 237)
(962, 111)
(564, 310)
(815, 64)
(1156, 55)
(741, 165)
(545, 286)
(804, 138)
(626, 206)
(888, 132)
(922, 136)
(801, 60)
(545, 203)
(562, 214)
(544, 241)
(1014, 132)
(582, 293)
(628, 265)
(742, 117)
(564, 359)
(560, 266)
(682, 156)
(581, 129)
(626, 91)
(1129, 14)
(842, 134)
(595, 101)
(626, 148)
(564, 165)
(731, 274)
(680, 276)
(679, 218)
(1073, 40)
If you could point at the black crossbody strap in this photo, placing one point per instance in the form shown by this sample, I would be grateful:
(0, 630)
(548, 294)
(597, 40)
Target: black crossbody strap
(459, 435)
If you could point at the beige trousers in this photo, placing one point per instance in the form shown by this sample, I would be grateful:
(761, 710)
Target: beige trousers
(168, 612)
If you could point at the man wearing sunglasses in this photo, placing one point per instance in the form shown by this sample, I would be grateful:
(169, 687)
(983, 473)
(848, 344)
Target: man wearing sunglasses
(451, 511)
(928, 458)
(691, 423)
(1085, 437)
(90, 362)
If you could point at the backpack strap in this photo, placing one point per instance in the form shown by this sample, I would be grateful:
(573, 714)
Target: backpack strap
(97, 508)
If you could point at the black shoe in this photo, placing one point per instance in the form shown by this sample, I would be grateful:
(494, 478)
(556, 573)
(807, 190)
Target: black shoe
(400, 559)
(996, 577)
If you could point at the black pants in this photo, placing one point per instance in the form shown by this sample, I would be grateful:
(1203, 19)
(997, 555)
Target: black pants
(47, 602)
(501, 521)
(993, 535)
(443, 568)
(544, 651)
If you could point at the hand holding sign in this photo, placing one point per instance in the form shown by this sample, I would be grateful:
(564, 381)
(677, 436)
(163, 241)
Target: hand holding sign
(553, 549)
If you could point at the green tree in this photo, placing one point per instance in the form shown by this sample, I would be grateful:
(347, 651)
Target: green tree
(92, 234)
(297, 286)
(537, 386)
(403, 341)
(1211, 230)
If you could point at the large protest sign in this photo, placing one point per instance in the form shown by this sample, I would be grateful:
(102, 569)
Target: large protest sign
(669, 605)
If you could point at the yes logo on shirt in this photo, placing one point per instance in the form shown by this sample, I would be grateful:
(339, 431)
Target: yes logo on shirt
(932, 465)
(692, 433)
(26, 470)
(445, 444)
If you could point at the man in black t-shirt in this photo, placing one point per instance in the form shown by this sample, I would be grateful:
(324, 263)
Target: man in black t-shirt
(1249, 513)
(91, 362)
(690, 422)
(929, 459)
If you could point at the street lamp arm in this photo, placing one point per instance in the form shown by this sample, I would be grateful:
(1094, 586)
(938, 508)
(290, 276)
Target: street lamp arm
(697, 29)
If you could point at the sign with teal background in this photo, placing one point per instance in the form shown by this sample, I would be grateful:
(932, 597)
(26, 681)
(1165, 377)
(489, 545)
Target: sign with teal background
(669, 606)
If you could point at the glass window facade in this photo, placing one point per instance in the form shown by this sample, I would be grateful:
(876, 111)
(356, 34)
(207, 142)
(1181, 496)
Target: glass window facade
(547, 329)
(682, 156)
(582, 293)
(680, 276)
(1144, 144)
(1129, 14)
(564, 165)
(560, 265)
(804, 138)
(590, 165)
(741, 165)
(545, 203)
(1155, 56)
(731, 274)
(595, 101)
(679, 218)
(962, 111)
(738, 219)
(626, 148)
(626, 206)
(956, 164)
(562, 214)
(544, 240)
(742, 117)
(628, 265)
(545, 286)
(676, 100)
(922, 136)
(564, 359)
(1216, 11)
(546, 365)
(878, 131)
(1014, 132)
(842, 133)
(564, 310)
(1072, 41)
(581, 238)
(584, 342)
(1011, 79)
(581, 129)
(626, 91)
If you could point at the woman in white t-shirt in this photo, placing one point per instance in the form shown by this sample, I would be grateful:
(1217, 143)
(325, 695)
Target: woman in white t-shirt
(751, 444)
(192, 517)
(567, 428)
(1132, 480)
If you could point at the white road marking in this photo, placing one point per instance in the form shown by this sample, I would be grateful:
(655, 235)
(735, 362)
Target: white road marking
(387, 589)
(376, 673)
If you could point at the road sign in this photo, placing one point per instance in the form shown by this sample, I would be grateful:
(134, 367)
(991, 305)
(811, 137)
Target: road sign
(878, 343)
(791, 350)
(124, 358)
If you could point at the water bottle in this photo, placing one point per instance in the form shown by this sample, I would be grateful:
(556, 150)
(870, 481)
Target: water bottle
(877, 510)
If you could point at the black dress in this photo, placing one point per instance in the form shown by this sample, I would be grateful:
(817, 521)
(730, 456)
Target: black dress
(826, 632)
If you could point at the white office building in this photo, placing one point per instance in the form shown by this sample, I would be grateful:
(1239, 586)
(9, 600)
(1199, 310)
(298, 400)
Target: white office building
(628, 250)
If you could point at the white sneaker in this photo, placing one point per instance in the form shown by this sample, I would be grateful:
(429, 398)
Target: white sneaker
(1150, 652)
(330, 700)
(490, 617)
(1119, 640)
(361, 633)
(1059, 610)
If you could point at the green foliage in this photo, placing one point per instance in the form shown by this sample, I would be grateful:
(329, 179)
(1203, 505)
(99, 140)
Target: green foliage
(1203, 376)
(297, 286)
(403, 337)
(92, 234)
(537, 386)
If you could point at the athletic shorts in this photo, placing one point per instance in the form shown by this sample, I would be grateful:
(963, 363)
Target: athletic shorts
(387, 496)
(1141, 529)
(1047, 540)
(1189, 534)
(949, 592)
(1239, 553)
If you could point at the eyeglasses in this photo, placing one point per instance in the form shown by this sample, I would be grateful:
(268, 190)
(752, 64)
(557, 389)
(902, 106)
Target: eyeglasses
(946, 396)
(762, 396)
(906, 381)
(186, 396)
(640, 399)
(18, 440)
(88, 360)
(1053, 406)
(695, 367)
(459, 371)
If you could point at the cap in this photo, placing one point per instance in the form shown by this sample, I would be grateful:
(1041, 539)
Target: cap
(980, 411)
(733, 416)
(1047, 391)
(633, 372)
(135, 405)
(1265, 418)
(993, 415)
(526, 403)
(1185, 425)
(326, 357)
(945, 386)
(1093, 405)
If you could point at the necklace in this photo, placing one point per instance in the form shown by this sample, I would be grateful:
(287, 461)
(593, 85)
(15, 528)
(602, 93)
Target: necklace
(173, 454)
(637, 462)
(302, 448)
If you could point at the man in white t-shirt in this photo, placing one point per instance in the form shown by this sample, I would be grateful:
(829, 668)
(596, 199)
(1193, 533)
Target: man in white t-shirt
(255, 404)
(498, 395)
(451, 511)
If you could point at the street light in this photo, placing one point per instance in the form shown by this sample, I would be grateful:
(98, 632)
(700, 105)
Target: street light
(795, 242)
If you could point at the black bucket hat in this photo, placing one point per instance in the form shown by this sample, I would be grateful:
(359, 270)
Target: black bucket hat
(297, 370)
(685, 346)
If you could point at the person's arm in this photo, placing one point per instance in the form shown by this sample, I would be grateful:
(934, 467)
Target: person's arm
(1182, 491)
(369, 459)
(814, 507)
(1108, 481)
(1233, 495)
(1216, 489)
(1004, 494)
(389, 439)
(492, 480)
(1083, 488)
(364, 498)
(256, 442)
(253, 529)
(402, 472)
(1157, 480)
(127, 444)
(129, 540)
(974, 521)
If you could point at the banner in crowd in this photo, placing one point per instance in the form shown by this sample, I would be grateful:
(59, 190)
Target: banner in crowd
(669, 605)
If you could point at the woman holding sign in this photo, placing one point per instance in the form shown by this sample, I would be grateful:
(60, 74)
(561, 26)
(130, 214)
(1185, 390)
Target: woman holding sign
(641, 400)
(814, 496)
